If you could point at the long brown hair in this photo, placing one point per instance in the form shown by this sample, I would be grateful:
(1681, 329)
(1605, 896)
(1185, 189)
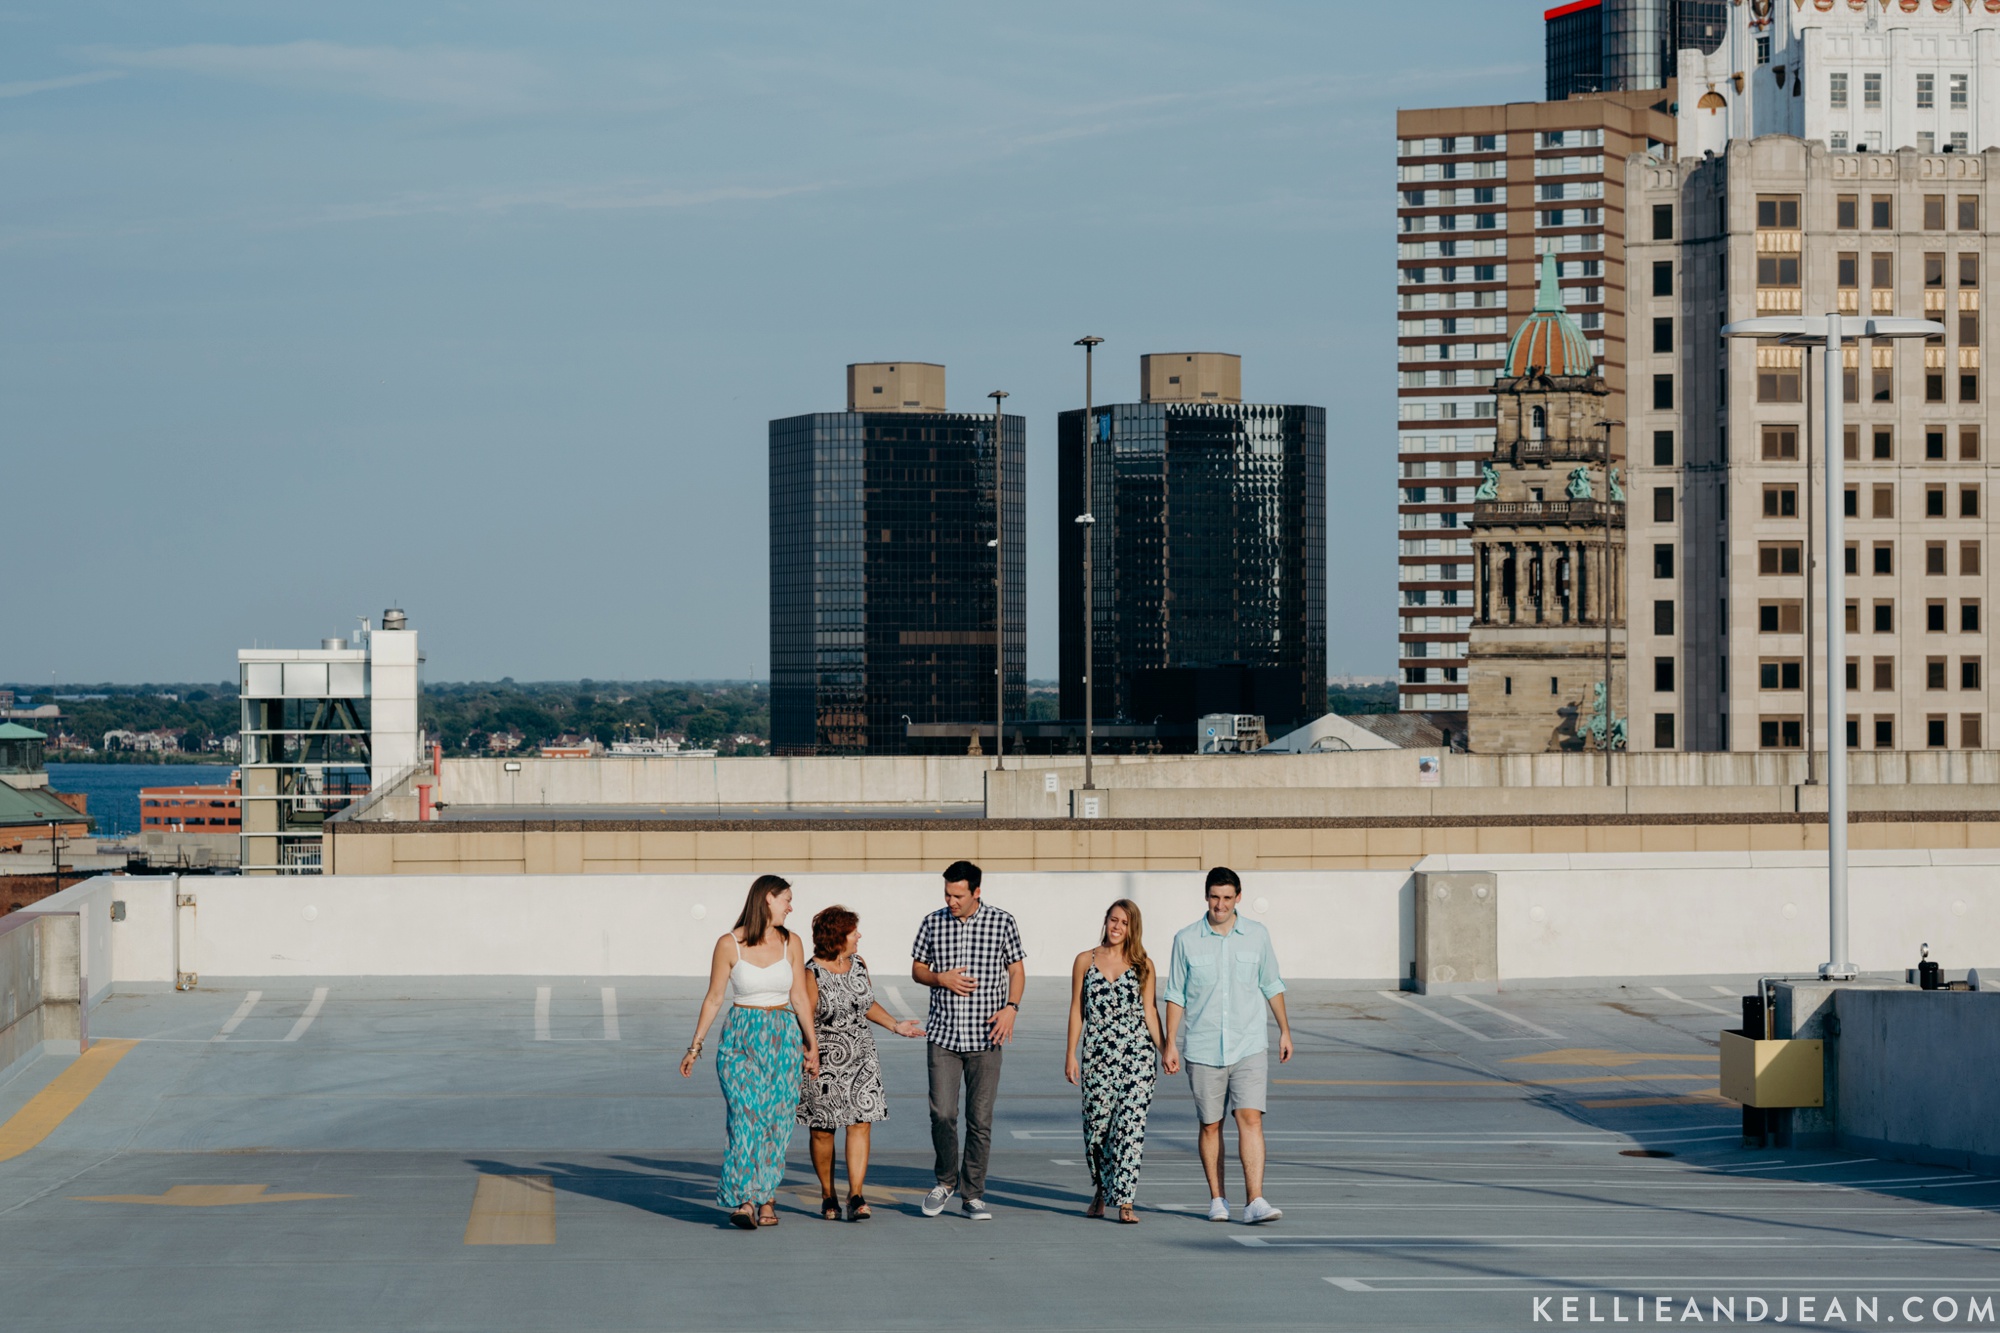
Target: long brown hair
(1134, 947)
(756, 918)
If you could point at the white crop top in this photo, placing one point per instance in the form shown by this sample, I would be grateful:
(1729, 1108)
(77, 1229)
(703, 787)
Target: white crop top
(762, 987)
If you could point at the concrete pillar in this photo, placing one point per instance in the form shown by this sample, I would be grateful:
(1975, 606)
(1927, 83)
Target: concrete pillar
(1458, 933)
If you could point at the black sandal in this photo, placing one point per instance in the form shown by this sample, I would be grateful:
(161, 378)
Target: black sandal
(744, 1217)
(829, 1209)
(857, 1208)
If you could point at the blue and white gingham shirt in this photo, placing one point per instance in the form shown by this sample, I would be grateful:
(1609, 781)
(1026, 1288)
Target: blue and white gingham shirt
(982, 945)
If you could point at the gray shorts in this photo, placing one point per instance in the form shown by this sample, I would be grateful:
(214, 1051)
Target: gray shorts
(1220, 1089)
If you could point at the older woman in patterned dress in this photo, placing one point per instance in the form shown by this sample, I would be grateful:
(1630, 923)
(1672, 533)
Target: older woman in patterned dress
(1112, 1012)
(846, 1093)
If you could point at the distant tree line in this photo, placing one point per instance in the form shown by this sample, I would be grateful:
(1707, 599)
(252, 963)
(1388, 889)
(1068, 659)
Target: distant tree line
(465, 716)
(1347, 700)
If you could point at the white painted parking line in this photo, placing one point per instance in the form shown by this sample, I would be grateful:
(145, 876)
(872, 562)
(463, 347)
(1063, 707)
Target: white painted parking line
(542, 994)
(1791, 1282)
(1758, 1167)
(609, 995)
(900, 1005)
(1662, 990)
(1515, 1019)
(317, 1003)
(1733, 1244)
(1394, 998)
(236, 1019)
(1724, 990)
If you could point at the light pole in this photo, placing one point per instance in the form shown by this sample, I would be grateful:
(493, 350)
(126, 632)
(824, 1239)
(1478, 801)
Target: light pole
(1827, 335)
(1088, 518)
(999, 397)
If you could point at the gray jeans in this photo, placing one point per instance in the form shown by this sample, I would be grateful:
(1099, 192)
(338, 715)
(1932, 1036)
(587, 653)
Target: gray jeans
(980, 1073)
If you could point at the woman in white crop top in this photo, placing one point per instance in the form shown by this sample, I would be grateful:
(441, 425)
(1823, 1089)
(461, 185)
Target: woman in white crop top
(766, 1039)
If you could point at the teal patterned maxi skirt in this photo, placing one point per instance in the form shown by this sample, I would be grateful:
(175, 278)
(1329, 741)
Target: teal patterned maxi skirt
(759, 1063)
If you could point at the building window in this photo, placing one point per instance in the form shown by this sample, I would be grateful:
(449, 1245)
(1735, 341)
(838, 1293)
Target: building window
(1968, 673)
(1934, 668)
(1507, 683)
(1885, 617)
(1934, 260)
(1934, 558)
(1777, 270)
(1850, 560)
(1884, 505)
(1780, 674)
(1968, 443)
(1882, 212)
(1663, 504)
(1885, 733)
(1663, 222)
(1968, 616)
(1778, 212)
(1663, 391)
(1778, 617)
(1663, 337)
(1850, 502)
(1968, 212)
(1968, 557)
(1933, 618)
(1926, 91)
(1555, 685)
(1871, 92)
(1885, 558)
(1663, 277)
(1663, 617)
(1781, 444)
(1884, 444)
(1778, 733)
(1847, 212)
(1663, 675)
(1933, 502)
(1836, 91)
(1959, 91)
(1663, 731)
(1968, 731)
(1781, 502)
(1663, 448)
(1934, 736)
(1968, 502)
(1663, 560)
(1934, 444)
(1777, 557)
(1885, 674)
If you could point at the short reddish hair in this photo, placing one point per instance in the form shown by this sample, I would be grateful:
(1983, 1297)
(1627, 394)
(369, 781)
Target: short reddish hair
(830, 930)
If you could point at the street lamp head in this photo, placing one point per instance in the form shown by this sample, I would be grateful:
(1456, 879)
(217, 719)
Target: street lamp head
(1087, 340)
(1812, 330)
(1085, 519)
(997, 395)
(993, 543)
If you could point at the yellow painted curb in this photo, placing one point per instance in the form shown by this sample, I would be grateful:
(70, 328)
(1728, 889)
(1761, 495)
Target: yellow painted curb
(53, 1104)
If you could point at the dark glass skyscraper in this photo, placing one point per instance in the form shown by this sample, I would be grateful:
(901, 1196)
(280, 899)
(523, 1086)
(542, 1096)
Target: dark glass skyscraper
(1209, 555)
(881, 576)
(1596, 46)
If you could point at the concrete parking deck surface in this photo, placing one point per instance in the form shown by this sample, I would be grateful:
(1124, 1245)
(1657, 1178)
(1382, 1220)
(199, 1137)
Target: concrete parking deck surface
(500, 1154)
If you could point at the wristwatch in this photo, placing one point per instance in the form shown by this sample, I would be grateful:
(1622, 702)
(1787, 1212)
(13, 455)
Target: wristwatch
(1015, 1005)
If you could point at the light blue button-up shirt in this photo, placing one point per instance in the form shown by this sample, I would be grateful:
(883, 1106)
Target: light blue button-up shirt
(1223, 982)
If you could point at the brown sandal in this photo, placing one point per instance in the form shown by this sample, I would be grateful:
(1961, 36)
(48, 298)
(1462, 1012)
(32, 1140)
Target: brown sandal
(768, 1217)
(857, 1209)
(1127, 1215)
(1096, 1208)
(745, 1217)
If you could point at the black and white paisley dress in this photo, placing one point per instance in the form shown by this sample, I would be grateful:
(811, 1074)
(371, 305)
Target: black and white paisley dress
(848, 1089)
(1120, 1067)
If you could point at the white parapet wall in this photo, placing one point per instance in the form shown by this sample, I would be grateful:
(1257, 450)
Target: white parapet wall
(1563, 920)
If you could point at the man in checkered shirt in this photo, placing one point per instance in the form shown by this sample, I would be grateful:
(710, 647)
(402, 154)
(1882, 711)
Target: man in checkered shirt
(970, 956)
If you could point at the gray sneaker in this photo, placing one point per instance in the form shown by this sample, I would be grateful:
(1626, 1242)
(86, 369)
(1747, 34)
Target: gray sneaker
(976, 1210)
(935, 1201)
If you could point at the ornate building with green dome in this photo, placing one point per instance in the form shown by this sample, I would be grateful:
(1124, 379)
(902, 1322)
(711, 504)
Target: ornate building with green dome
(1548, 543)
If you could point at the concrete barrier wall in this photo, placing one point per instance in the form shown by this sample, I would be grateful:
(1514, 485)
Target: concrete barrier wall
(768, 782)
(1354, 926)
(42, 986)
(1919, 1075)
(1388, 782)
(1732, 914)
(1560, 920)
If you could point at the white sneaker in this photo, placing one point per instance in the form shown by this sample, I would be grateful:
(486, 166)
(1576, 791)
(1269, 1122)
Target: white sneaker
(935, 1201)
(1259, 1210)
(1218, 1209)
(976, 1210)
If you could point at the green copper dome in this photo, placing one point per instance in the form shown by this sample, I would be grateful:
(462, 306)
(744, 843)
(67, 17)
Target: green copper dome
(1548, 341)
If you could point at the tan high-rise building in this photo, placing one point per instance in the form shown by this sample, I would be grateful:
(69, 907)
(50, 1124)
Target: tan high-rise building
(1483, 191)
(1191, 377)
(1727, 464)
(895, 386)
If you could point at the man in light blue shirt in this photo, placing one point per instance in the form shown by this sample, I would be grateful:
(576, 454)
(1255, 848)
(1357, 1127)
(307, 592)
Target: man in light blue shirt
(1222, 976)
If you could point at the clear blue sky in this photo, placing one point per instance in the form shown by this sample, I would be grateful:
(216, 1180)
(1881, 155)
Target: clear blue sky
(482, 309)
